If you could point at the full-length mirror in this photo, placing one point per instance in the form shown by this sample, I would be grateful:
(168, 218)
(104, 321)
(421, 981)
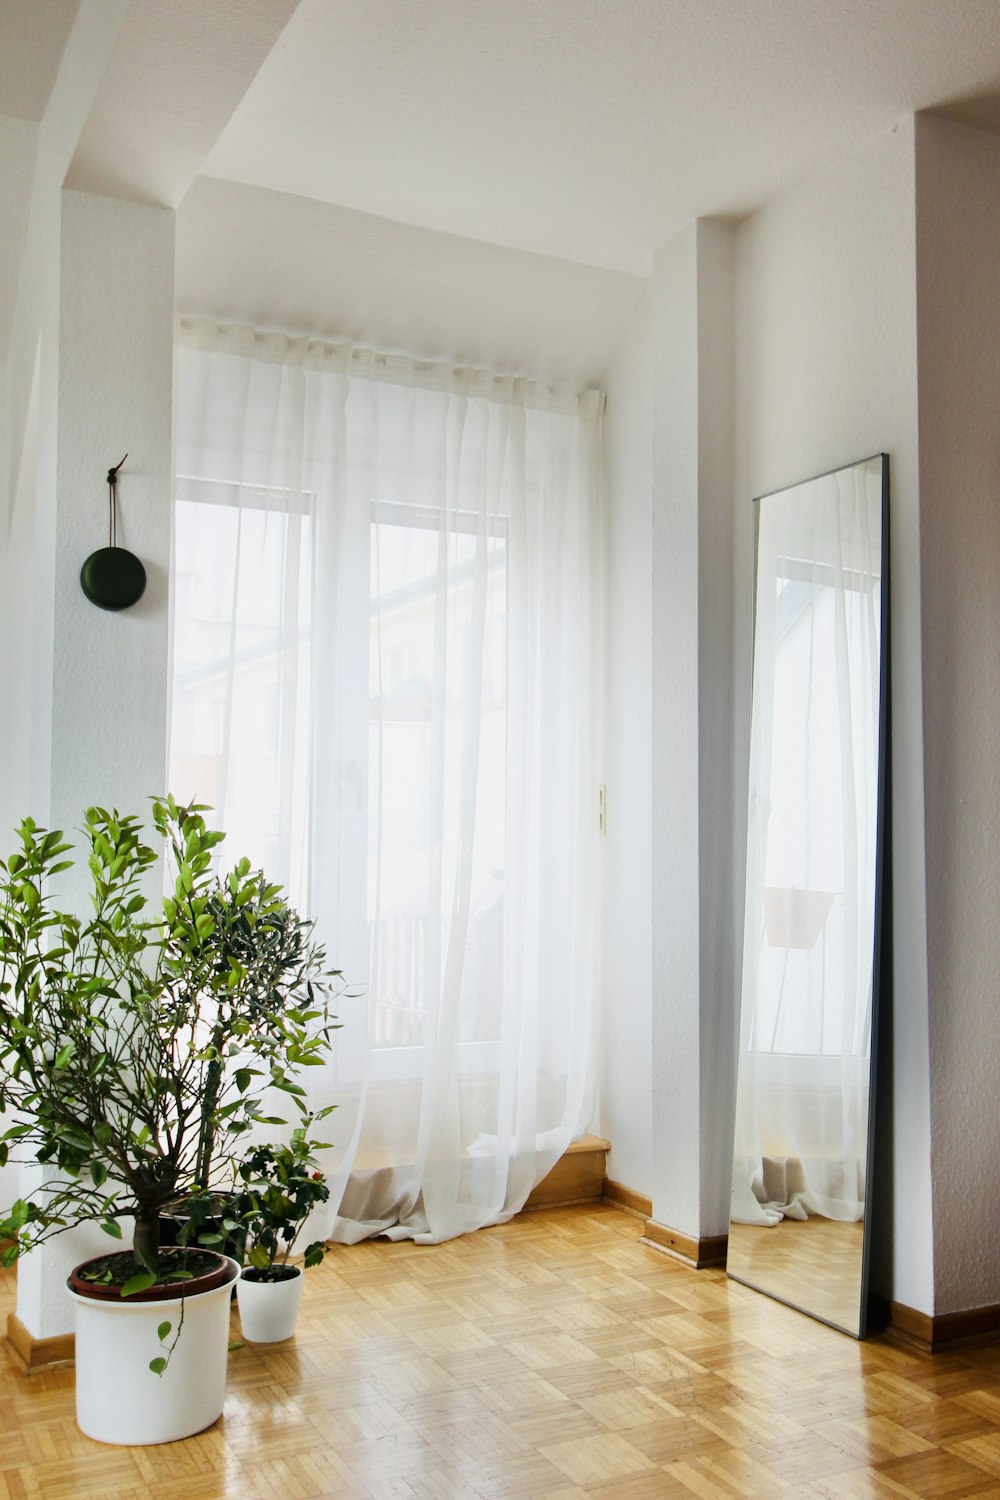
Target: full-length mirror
(812, 921)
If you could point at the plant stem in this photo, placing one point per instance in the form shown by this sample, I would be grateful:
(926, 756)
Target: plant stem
(146, 1242)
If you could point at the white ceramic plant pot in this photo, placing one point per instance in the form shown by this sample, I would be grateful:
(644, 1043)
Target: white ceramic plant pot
(268, 1309)
(118, 1397)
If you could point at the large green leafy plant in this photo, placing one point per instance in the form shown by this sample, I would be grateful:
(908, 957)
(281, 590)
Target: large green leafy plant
(136, 1049)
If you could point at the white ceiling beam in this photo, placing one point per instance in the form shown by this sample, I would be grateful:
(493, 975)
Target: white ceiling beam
(177, 73)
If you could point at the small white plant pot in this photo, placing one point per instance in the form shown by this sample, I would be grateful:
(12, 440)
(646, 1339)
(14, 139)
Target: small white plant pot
(118, 1397)
(268, 1309)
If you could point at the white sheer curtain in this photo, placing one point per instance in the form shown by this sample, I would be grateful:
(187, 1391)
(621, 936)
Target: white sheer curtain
(802, 1099)
(387, 635)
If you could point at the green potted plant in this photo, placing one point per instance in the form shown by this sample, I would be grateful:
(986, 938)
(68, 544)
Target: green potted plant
(256, 929)
(281, 1185)
(134, 1050)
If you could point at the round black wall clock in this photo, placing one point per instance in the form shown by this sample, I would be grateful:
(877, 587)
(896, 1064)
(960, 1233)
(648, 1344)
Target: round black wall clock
(113, 577)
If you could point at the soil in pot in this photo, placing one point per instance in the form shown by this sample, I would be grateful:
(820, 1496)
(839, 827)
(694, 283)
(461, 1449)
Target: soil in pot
(184, 1272)
(271, 1275)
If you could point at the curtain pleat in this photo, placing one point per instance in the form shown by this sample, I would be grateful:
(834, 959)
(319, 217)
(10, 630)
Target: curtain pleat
(387, 664)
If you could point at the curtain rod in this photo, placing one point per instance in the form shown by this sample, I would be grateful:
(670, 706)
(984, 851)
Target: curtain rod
(273, 346)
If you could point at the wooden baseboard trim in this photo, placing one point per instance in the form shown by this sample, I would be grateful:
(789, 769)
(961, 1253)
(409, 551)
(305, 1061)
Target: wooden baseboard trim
(932, 1333)
(541, 1208)
(697, 1253)
(39, 1354)
(627, 1198)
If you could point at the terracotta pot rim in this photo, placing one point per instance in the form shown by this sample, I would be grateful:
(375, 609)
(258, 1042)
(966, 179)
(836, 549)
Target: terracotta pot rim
(224, 1274)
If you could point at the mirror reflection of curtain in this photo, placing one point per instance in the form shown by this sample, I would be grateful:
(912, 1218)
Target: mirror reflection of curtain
(802, 1098)
(386, 646)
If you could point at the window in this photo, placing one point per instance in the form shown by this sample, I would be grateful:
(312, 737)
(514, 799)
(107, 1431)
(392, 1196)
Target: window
(408, 726)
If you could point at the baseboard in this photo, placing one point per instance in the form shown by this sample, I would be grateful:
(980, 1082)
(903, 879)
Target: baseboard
(934, 1332)
(39, 1354)
(627, 1198)
(697, 1253)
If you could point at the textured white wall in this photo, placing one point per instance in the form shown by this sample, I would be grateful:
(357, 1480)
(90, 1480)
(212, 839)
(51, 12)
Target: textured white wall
(826, 373)
(108, 670)
(115, 397)
(17, 564)
(958, 344)
(721, 838)
(28, 421)
(674, 809)
(626, 1072)
(693, 854)
(250, 255)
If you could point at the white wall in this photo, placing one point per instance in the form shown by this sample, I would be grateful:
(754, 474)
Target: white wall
(958, 333)
(670, 933)
(246, 254)
(17, 619)
(827, 373)
(115, 340)
(720, 834)
(626, 1079)
(28, 416)
(674, 801)
(693, 929)
(107, 671)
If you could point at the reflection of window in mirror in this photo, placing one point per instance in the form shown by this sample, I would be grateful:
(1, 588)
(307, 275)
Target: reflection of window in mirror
(810, 949)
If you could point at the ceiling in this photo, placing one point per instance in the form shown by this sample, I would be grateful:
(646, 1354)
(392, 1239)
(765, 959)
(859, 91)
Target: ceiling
(418, 173)
(33, 37)
(592, 129)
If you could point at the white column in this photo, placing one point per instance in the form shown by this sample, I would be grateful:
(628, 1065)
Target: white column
(109, 683)
(107, 741)
(694, 950)
(958, 374)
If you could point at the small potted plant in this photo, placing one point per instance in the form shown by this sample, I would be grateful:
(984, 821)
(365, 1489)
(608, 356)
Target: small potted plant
(134, 1050)
(281, 1185)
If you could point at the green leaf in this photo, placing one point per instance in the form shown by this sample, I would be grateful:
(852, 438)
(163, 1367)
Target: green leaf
(163, 1330)
(98, 1173)
(112, 1227)
(158, 1365)
(259, 1258)
(64, 1054)
(140, 1282)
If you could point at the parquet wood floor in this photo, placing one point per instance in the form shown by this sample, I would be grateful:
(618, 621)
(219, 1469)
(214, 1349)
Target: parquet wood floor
(551, 1357)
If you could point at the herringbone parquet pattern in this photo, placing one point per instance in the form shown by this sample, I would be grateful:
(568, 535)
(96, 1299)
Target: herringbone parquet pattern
(554, 1356)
